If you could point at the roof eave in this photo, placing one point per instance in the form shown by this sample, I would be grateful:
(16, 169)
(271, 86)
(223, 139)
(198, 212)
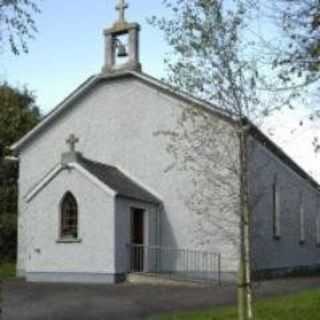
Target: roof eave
(156, 201)
(274, 148)
(17, 146)
(90, 82)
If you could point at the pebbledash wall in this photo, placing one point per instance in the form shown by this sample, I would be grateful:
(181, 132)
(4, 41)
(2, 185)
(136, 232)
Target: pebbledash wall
(276, 255)
(91, 255)
(116, 123)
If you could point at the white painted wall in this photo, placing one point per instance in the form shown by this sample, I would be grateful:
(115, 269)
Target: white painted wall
(95, 252)
(116, 123)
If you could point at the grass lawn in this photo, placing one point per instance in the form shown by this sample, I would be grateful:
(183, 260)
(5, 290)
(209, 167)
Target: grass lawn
(7, 270)
(303, 306)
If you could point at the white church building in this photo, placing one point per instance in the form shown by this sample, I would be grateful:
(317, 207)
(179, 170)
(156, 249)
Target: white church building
(100, 194)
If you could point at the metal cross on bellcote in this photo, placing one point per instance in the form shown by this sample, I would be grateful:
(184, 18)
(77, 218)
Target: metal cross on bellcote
(121, 7)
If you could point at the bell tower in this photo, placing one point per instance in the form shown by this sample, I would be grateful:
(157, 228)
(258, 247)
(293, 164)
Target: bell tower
(122, 44)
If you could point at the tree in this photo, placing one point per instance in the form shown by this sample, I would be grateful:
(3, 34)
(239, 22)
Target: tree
(17, 25)
(293, 48)
(215, 58)
(299, 21)
(18, 114)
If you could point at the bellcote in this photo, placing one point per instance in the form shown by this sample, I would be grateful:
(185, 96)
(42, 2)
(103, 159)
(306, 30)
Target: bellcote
(122, 44)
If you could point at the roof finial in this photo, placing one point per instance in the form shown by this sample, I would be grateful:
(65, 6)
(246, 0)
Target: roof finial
(121, 7)
(72, 141)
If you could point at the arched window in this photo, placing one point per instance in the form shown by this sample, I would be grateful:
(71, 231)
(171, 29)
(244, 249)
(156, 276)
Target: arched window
(69, 217)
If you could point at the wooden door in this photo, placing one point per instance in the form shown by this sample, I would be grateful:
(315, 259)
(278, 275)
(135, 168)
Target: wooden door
(137, 239)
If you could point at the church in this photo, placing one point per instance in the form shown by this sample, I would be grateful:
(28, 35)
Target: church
(101, 194)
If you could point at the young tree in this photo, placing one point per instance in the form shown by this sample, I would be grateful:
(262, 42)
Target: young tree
(18, 114)
(17, 25)
(215, 58)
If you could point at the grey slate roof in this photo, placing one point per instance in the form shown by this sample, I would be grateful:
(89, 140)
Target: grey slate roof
(117, 181)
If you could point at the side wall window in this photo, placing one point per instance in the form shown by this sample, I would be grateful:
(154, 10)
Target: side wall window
(69, 217)
(302, 219)
(318, 230)
(276, 208)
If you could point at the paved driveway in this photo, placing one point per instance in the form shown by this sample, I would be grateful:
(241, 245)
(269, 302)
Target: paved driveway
(27, 301)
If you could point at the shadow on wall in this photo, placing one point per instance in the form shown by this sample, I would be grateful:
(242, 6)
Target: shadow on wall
(171, 261)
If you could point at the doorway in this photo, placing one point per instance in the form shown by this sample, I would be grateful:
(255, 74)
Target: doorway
(137, 239)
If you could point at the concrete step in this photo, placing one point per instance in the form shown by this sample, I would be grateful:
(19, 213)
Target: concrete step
(163, 279)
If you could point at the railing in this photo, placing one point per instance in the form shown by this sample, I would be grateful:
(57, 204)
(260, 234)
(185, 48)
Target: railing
(175, 263)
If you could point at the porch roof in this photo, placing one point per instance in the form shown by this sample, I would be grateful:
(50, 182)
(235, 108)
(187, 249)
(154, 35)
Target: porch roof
(109, 178)
(117, 181)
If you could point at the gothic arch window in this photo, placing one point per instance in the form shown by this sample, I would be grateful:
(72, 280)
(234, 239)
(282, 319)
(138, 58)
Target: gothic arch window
(69, 217)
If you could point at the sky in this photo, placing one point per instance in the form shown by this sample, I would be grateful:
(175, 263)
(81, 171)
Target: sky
(69, 48)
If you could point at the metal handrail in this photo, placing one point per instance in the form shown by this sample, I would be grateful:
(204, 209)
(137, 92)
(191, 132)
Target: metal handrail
(175, 262)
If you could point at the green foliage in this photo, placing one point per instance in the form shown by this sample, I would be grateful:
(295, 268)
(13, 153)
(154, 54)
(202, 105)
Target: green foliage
(293, 47)
(18, 114)
(300, 22)
(294, 307)
(7, 271)
(17, 25)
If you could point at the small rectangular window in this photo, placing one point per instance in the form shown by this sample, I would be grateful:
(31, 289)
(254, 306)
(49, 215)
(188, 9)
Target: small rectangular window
(302, 220)
(318, 231)
(276, 209)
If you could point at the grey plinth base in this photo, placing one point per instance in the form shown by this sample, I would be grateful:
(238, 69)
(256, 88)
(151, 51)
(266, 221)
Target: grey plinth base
(20, 273)
(64, 277)
(278, 273)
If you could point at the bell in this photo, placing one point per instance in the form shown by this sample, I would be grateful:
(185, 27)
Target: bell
(122, 51)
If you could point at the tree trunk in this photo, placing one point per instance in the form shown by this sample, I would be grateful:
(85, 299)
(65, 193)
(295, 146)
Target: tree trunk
(244, 281)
